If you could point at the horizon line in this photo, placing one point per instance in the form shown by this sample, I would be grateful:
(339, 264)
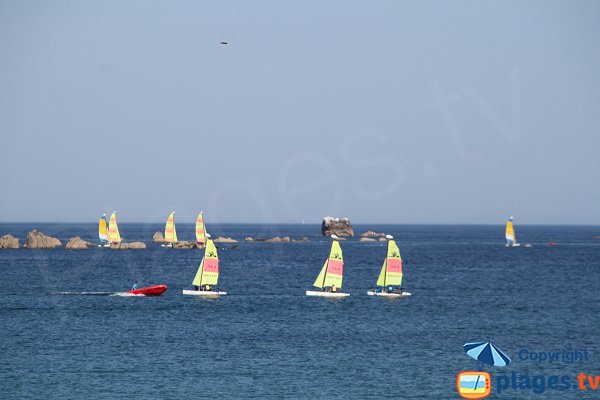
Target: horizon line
(309, 224)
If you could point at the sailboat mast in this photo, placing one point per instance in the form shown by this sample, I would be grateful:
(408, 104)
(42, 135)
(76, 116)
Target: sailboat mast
(385, 266)
(325, 274)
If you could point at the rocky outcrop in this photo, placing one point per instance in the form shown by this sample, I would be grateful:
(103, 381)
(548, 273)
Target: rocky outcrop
(158, 237)
(372, 234)
(128, 246)
(77, 243)
(186, 245)
(278, 239)
(367, 239)
(37, 240)
(336, 226)
(382, 239)
(224, 240)
(9, 242)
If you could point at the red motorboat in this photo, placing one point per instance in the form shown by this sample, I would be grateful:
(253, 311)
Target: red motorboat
(156, 290)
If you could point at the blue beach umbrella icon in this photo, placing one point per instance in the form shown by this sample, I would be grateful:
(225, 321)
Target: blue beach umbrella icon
(486, 353)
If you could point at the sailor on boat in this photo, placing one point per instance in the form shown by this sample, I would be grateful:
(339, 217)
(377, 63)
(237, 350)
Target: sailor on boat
(135, 285)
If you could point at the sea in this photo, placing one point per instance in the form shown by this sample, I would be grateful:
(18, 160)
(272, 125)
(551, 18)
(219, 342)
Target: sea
(64, 334)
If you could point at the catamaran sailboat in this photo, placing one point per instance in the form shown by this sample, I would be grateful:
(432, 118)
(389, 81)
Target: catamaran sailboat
(113, 229)
(511, 239)
(390, 276)
(331, 275)
(207, 275)
(170, 231)
(103, 232)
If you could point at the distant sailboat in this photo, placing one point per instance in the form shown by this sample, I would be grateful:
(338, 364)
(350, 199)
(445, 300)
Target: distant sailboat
(103, 232)
(207, 275)
(200, 230)
(170, 231)
(509, 234)
(331, 275)
(390, 276)
(113, 229)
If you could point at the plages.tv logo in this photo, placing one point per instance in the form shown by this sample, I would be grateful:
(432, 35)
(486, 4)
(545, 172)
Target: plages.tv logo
(473, 384)
(478, 384)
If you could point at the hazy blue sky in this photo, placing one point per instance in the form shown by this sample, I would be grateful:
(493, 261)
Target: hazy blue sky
(382, 111)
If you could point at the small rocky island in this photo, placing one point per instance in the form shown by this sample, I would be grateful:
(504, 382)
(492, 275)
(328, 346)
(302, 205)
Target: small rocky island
(128, 246)
(77, 243)
(336, 226)
(9, 242)
(37, 240)
(276, 239)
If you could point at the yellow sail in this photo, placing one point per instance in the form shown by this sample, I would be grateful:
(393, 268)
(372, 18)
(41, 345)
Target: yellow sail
(208, 272)
(198, 278)
(321, 278)
(102, 231)
(510, 232)
(381, 278)
(200, 232)
(391, 271)
(113, 229)
(170, 231)
(335, 267)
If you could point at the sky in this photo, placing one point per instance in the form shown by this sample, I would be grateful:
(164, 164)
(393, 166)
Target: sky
(384, 112)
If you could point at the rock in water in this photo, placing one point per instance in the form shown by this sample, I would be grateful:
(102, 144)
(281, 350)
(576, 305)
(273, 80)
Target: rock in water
(372, 234)
(37, 240)
(224, 240)
(9, 242)
(158, 237)
(128, 246)
(77, 243)
(367, 239)
(185, 245)
(336, 226)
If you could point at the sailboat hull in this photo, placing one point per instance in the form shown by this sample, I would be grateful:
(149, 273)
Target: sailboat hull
(150, 290)
(390, 295)
(513, 245)
(204, 293)
(326, 294)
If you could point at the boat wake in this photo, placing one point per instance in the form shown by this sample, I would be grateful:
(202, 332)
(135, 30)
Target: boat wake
(85, 293)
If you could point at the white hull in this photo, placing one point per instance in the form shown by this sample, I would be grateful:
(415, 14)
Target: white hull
(391, 295)
(513, 245)
(166, 245)
(326, 294)
(204, 293)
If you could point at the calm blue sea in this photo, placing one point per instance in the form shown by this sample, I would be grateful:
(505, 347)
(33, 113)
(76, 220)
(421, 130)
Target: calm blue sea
(268, 340)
